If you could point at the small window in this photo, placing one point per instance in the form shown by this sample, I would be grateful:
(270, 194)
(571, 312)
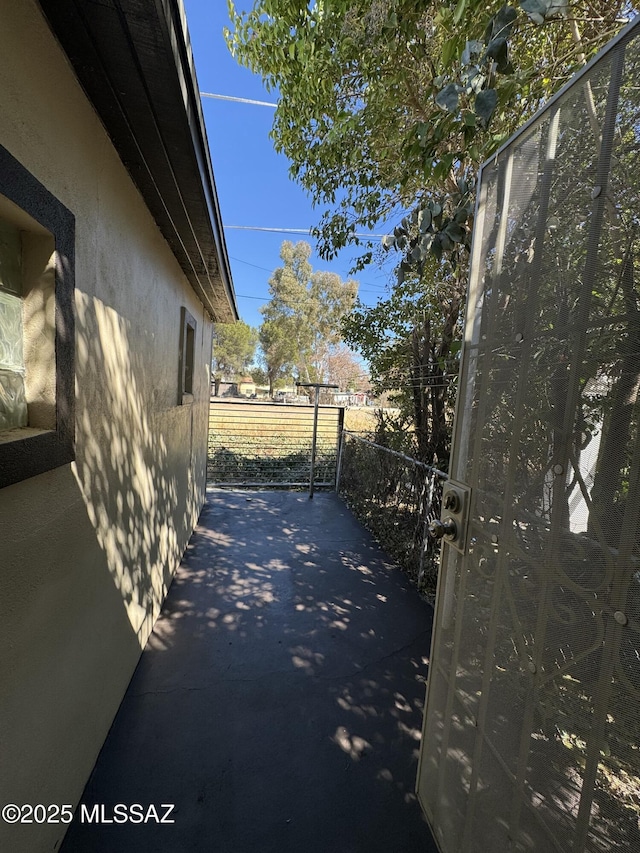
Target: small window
(36, 326)
(187, 357)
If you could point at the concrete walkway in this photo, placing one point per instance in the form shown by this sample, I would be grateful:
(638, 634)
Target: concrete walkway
(278, 703)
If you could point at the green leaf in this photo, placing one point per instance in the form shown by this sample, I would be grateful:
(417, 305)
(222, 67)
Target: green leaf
(449, 50)
(459, 12)
(538, 6)
(497, 49)
(425, 243)
(392, 22)
(486, 102)
(488, 33)
(447, 242)
(455, 231)
(443, 16)
(447, 99)
(503, 21)
(424, 220)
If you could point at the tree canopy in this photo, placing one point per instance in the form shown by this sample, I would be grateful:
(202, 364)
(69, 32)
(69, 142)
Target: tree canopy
(386, 110)
(389, 106)
(234, 349)
(301, 326)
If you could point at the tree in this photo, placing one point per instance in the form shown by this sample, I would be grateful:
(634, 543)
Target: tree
(386, 104)
(259, 375)
(345, 371)
(234, 347)
(411, 341)
(330, 300)
(302, 319)
(278, 346)
(388, 107)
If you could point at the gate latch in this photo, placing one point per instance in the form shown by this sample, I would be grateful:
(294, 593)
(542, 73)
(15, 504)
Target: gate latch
(454, 517)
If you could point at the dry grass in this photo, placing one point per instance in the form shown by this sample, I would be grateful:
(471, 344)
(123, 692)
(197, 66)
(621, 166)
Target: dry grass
(362, 420)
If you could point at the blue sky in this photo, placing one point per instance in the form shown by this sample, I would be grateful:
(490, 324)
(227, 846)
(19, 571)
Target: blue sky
(253, 184)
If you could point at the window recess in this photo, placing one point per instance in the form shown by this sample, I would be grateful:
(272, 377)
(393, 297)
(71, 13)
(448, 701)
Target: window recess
(37, 342)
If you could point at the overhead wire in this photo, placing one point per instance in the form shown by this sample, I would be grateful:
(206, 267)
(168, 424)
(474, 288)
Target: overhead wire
(381, 287)
(405, 379)
(237, 100)
(306, 231)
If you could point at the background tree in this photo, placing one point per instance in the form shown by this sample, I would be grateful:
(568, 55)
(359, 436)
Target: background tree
(279, 350)
(259, 375)
(345, 371)
(302, 319)
(234, 349)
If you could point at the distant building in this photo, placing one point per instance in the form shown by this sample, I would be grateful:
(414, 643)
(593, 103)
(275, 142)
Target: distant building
(351, 399)
(247, 386)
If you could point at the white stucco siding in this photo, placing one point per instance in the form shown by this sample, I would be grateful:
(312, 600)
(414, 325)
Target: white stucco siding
(87, 550)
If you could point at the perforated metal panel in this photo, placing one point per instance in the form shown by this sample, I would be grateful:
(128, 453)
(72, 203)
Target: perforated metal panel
(532, 729)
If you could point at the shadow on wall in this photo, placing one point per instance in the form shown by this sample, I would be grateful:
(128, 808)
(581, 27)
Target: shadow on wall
(135, 476)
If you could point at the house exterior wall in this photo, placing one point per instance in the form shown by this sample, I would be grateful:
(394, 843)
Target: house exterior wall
(87, 550)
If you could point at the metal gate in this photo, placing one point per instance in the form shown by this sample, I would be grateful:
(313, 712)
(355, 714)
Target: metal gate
(269, 444)
(531, 739)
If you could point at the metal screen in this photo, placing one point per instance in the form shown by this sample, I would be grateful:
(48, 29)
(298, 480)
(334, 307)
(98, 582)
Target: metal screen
(532, 728)
(269, 444)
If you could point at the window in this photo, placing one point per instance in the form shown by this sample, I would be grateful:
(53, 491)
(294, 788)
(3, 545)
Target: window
(187, 357)
(36, 326)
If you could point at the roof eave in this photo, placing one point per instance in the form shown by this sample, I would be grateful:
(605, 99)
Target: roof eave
(135, 64)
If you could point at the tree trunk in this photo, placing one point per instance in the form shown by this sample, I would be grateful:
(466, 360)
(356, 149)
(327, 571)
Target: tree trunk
(420, 347)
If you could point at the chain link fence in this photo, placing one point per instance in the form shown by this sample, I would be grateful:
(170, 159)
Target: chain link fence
(395, 497)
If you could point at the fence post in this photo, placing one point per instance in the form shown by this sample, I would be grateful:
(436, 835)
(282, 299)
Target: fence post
(340, 449)
(313, 443)
(317, 386)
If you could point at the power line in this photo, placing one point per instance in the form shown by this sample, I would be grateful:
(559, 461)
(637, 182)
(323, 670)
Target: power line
(379, 288)
(289, 304)
(294, 231)
(237, 100)
(266, 269)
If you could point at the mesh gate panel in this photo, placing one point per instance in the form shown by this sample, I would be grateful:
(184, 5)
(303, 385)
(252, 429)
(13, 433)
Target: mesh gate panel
(531, 739)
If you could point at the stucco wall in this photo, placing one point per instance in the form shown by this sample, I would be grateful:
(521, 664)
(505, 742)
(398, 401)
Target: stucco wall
(87, 551)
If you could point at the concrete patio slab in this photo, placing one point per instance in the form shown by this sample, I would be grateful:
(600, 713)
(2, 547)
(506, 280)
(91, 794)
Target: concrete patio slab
(278, 702)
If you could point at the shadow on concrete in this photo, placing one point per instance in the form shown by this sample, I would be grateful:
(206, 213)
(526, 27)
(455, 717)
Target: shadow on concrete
(278, 702)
